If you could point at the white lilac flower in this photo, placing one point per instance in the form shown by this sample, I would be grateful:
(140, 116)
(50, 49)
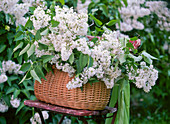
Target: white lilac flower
(40, 19)
(36, 118)
(62, 37)
(3, 78)
(32, 120)
(15, 102)
(145, 76)
(130, 14)
(3, 106)
(45, 114)
(162, 11)
(66, 121)
(11, 67)
(18, 10)
(83, 7)
(136, 9)
(69, 69)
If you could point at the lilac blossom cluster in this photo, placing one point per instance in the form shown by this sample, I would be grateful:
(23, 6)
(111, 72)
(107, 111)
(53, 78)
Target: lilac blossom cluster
(137, 9)
(10, 67)
(130, 15)
(163, 13)
(102, 67)
(83, 7)
(62, 38)
(14, 102)
(36, 118)
(3, 106)
(17, 9)
(145, 77)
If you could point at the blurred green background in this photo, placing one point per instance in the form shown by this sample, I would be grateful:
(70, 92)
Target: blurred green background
(150, 108)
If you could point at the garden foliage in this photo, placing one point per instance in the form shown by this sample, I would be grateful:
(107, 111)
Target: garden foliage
(18, 63)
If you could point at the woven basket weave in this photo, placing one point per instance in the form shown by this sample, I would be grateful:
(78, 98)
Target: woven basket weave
(54, 91)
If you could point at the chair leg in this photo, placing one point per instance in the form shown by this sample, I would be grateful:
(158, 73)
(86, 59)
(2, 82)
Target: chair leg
(61, 120)
(99, 119)
(41, 116)
(83, 120)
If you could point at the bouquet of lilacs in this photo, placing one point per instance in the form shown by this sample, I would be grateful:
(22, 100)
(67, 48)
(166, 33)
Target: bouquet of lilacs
(58, 36)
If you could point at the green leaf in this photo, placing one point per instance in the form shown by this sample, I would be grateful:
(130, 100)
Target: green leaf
(46, 58)
(38, 35)
(47, 68)
(84, 60)
(93, 80)
(31, 50)
(136, 59)
(148, 55)
(152, 38)
(104, 9)
(55, 23)
(10, 37)
(24, 50)
(32, 9)
(18, 46)
(19, 36)
(45, 32)
(148, 60)
(7, 17)
(90, 62)
(98, 22)
(125, 2)
(105, 28)
(9, 53)
(20, 28)
(81, 62)
(0, 64)
(25, 67)
(94, 40)
(40, 73)
(123, 103)
(99, 29)
(130, 45)
(16, 93)
(12, 78)
(10, 90)
(122, 58)
(20, 107)
(35, 76)
(112, 22)
(19, 58)
(42, 46)
(29, 24)
(2, 120)
(23, 79)
(1, 95)
(71, 59)
(26, 93)
(134, 38)
(2, 48)
(9, 82)
(30, 88)
(62, 2)
(6, 99)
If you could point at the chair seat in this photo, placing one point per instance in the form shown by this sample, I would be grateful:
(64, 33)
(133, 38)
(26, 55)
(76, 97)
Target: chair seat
(67, 111)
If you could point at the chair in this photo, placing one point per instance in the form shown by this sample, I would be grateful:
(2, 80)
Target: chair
(98, 115)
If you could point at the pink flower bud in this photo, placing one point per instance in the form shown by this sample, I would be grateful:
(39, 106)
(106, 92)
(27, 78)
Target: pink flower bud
(136, 43)
(91, 37)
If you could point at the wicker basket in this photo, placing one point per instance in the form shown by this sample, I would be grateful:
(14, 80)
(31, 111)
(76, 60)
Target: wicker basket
(54, 91)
